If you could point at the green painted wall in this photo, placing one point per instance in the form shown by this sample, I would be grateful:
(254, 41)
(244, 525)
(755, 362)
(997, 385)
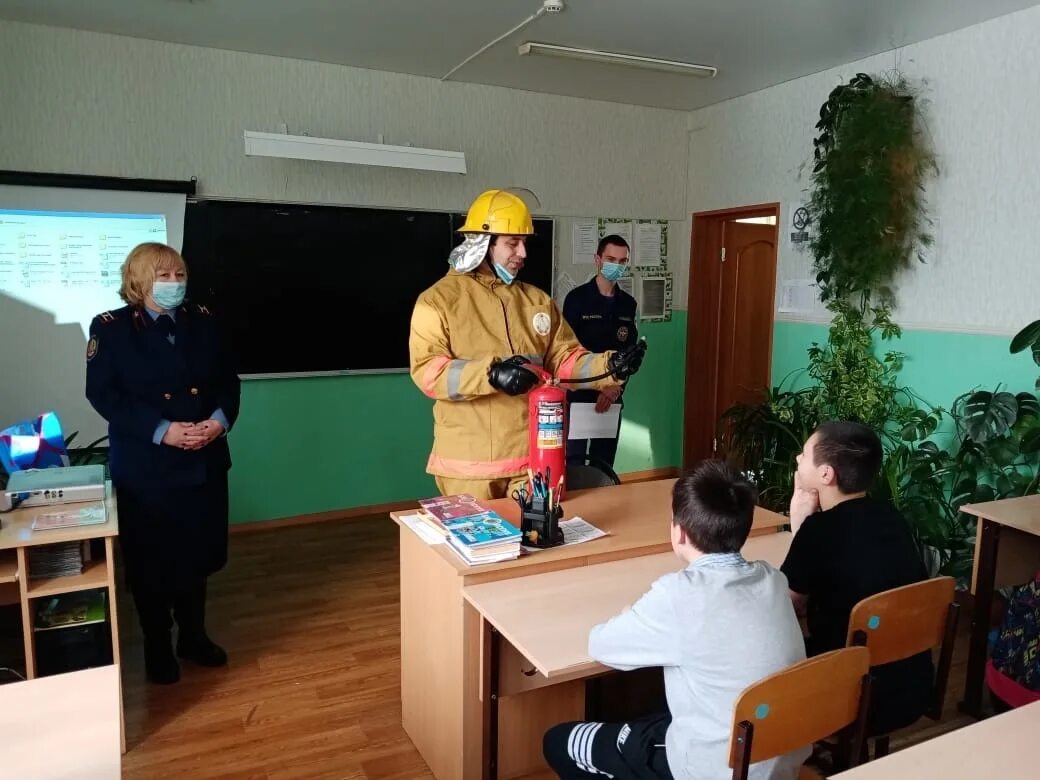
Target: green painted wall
(939, 365)
(651, 427)
(328, 443)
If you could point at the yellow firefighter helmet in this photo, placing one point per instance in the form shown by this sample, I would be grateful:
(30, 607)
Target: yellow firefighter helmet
(499, 213)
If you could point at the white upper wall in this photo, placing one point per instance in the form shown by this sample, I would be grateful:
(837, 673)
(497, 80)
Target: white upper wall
(80, 102)
(983, 114)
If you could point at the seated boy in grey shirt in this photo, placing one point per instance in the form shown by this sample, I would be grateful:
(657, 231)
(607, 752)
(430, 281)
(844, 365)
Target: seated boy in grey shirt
(716, 626)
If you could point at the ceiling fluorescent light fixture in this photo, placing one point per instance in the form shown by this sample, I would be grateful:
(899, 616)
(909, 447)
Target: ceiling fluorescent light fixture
(617, 58)
(304, 147)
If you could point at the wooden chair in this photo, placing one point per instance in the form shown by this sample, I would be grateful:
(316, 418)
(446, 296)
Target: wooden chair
(807, 702)
(903, 622)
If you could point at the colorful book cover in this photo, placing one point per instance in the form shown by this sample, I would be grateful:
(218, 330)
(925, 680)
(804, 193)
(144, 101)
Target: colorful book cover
(484, 529)
(446, 508)
(481, 555)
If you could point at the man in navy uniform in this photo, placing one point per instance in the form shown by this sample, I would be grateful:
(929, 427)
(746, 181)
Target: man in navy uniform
(160, 373)
(603, 316)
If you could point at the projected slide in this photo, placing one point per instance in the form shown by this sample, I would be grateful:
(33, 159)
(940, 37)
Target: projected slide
(68, 262)
(60, 249)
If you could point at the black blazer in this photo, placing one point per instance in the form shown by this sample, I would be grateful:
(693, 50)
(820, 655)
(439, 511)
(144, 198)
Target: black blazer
(601, 324)
(136, 379)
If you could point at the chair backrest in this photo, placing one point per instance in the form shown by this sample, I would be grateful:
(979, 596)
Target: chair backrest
(589, 472)
(902, 622)
(801, 705)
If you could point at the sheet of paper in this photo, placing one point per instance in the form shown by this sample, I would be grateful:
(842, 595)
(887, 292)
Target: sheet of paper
(564, 284)
(797, 225)
(647, 247)
(422, 530)
(653, 298)
(587, 423)
(623, 229)
(799, 296)
(575, 531)
(583, 241)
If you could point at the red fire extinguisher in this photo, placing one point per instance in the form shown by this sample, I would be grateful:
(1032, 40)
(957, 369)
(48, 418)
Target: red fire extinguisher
(547, 432)
(547, 426)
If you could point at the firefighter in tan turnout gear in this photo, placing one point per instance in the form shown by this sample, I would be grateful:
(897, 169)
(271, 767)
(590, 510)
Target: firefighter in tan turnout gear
(471, 333)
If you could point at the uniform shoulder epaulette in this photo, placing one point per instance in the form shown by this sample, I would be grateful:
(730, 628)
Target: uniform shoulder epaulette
(201, 309)
(107, 316)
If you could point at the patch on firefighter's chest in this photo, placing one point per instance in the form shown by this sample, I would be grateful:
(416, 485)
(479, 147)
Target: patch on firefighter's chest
(541, 323)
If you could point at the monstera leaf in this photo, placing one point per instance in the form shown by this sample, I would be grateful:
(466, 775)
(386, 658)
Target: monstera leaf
(1003, 450)
(989, 415)
(1028, 405)
(1029, 336)
(1031, 441)
(920, 425)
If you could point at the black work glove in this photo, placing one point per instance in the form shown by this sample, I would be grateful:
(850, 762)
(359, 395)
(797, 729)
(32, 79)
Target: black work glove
(625, 363)
(511, 377)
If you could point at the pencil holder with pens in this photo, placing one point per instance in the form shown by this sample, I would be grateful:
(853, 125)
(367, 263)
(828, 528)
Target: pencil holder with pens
(540, 523)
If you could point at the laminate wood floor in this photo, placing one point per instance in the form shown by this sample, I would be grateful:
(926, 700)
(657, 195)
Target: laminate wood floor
(309, 616)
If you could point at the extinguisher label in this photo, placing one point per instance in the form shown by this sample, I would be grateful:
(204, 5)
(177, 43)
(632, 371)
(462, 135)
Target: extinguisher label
(550, 425)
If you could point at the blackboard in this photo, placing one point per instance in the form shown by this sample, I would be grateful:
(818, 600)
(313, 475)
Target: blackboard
(304, 289)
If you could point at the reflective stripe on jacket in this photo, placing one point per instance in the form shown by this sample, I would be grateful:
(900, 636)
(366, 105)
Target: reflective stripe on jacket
(460, 326)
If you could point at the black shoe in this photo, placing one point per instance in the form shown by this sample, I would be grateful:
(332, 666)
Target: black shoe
(159, 664)
(202, 651)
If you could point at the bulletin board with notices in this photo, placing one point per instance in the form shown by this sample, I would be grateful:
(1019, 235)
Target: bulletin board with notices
(649, 280)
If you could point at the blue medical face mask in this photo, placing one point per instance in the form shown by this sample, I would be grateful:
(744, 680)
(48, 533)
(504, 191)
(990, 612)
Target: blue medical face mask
(613, 271)
(169, 295)
(503, 273)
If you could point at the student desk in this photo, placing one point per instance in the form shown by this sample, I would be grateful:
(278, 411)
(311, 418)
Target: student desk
(1007, 552)
(522, 634)
(1000, 748)
(441, 634)
(62, 726)
(17, 541)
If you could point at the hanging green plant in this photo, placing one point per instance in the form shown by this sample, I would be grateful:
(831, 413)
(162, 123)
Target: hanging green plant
(871, 162)
(851, 381)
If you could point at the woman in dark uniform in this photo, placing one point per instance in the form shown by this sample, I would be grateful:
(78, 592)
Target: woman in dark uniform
(159, 372)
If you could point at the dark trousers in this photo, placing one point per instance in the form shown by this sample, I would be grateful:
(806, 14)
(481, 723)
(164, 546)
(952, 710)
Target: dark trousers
(187, 605)
(172, 538)
(624, 751)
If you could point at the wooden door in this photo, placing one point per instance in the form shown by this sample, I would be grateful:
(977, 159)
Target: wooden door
(730, 326)
(745, 314)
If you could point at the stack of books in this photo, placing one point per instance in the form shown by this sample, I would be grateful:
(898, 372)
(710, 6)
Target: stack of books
(475, 533)
(64, 559)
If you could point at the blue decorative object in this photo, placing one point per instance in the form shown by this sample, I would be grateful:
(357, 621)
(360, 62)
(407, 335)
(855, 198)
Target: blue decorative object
(874, 622)
(761, 711)
(33, 444)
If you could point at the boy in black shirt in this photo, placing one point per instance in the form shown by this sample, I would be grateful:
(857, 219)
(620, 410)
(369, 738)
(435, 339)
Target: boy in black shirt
(848, 547)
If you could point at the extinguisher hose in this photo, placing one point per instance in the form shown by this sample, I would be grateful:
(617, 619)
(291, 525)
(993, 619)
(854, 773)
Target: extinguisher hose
(546, 376)
(598, 377)
(583, 380)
